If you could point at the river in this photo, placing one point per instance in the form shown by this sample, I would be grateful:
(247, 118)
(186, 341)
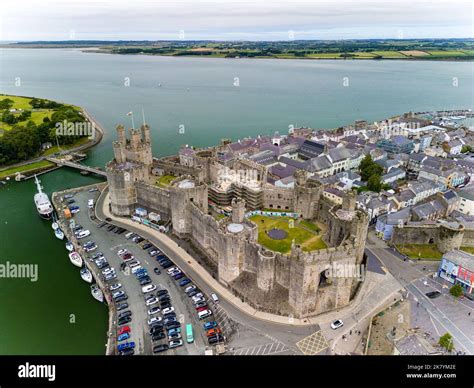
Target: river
(194, 101)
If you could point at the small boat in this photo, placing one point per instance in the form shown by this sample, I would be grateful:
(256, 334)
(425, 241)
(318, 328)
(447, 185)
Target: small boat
(86, 275)
(55, 225)
(97, 293)
(69, 246)
(59, 233)
(76, 259)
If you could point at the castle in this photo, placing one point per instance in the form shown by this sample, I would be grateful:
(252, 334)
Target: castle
(296, 283)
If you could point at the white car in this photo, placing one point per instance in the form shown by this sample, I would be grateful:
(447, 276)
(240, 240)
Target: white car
(189, 288)
(197, 297)
(115, 295)
(108, 270)
(148, 288)
(90, 203)
(83, 233)
(153, 320)
(175, 343)
(215, 298)
(204, 314)
(199, 300)
(167, 310)
(337, 324)
(151, 301)
(115, 286)
(169, 271)
(128, 235)
(122, 252)
(133, 263)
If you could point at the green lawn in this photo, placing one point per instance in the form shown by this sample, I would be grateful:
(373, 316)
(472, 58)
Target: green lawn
(442, 53)
(420, 251)
(25, 168)
(308, 240)
(165, 180)
(24, 103)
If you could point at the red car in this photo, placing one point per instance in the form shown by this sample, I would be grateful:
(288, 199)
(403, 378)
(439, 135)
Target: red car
(127, 256)
(201, 309)
(125, 329)
(213, 332)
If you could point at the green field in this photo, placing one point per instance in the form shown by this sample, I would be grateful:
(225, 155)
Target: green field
(23, 103)
(308, 240)
(420, 251)
(28, 167)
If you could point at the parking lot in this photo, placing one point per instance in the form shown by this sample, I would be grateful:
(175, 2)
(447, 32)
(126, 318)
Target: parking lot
(109, 243)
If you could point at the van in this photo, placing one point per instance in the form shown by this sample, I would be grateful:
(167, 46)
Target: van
(215, 298)
(204, 314)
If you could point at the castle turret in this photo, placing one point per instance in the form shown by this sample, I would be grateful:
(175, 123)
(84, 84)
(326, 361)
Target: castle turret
(119, 152)
(146, 133)
(121, 134)
(238, 210)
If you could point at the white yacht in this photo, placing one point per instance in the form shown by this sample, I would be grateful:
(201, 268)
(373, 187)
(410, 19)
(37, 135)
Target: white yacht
(97, 293)
(86, 275)
(42, 202)
(76, 259)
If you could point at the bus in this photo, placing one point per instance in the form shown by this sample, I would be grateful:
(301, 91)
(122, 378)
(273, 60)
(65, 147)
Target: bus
(189, 333)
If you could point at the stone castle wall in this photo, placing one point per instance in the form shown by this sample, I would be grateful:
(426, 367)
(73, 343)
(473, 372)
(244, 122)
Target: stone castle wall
(445, 237)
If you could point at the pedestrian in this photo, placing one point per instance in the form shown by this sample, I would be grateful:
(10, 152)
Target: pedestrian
(469, 313)
(350, 332)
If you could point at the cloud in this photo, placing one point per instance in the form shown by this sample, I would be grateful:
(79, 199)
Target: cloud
(240, 19)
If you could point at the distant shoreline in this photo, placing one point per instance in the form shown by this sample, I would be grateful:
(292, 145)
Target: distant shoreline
(350, 49)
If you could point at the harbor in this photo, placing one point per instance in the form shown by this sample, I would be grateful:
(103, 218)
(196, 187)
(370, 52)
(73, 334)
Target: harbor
(66, 226)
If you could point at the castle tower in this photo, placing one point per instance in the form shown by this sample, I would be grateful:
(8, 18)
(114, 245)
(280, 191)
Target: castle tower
(121, 134)
(119, 152)
(135, 139)
(146, 133)
(349, 201)
(238, 210)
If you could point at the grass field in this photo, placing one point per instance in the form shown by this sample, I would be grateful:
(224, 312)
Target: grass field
(24, 103)
(308, 240)
(26, 168)
(420, 251)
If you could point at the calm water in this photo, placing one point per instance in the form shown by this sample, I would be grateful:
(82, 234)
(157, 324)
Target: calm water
(201, 96)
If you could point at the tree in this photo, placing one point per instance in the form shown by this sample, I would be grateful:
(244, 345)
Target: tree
(6, 103)
(466, 148)
(374, 183)
(446, 341)
(368, 168)
(456, 291)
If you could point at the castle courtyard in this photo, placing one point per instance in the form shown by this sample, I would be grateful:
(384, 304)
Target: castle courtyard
(310, 238)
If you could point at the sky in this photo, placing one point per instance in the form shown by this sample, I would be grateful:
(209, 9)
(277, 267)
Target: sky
(22, 20)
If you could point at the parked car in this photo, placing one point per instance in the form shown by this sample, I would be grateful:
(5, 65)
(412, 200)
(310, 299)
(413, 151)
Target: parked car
(123, 337)
(122, 306)
(168, 311)
(160, 348)
(183, 282)
(161, 292)
(124, 329)
(153, 320)
(149, 288)
(152, 301)
(210, 325)
(175, 343)
(158, 336)
(189, 288)
(154, 310)
(124, 320)
(204, 314)
(115, 286)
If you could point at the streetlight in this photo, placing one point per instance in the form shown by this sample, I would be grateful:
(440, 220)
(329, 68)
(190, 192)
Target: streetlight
(131, 115)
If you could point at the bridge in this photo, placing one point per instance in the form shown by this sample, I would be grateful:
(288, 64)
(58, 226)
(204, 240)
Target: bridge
(82, 167)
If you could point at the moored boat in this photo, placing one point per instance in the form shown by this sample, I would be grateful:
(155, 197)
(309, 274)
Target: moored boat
(97, 293)
(69, 246)
(76, 259)
(54, 225)
(86, 275)
(42, 202)
(59, 233)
